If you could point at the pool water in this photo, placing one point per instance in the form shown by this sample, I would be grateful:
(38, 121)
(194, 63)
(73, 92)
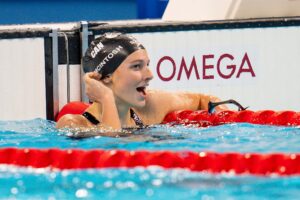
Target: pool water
(152, 182)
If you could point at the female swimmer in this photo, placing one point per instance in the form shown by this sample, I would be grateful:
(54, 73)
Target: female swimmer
(116, 80)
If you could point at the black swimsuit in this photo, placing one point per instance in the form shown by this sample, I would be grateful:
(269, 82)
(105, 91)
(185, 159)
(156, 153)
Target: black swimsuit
(133, 115)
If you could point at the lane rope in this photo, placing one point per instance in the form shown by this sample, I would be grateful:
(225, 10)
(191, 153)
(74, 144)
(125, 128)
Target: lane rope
(76, 159)
(202, 118)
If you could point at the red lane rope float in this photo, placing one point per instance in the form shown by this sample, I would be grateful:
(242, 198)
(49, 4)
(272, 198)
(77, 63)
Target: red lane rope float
(249, 163)
(203, 118)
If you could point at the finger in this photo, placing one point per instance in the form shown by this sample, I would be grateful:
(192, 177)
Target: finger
(95, 75)
(90, 76)
(87, 76)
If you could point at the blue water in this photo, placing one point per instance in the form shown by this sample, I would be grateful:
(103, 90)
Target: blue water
(153, 182)
(244, 137)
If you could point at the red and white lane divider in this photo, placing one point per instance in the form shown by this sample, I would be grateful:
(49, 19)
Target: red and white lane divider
(238, 163)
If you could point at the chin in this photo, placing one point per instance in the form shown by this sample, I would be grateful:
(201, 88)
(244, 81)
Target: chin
(140, 104)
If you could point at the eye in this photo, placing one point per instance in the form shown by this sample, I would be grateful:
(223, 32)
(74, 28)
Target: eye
(137, 66)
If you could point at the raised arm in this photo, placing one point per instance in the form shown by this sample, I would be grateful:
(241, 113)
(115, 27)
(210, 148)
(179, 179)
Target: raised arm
(101, 94)
(104, 110)
(204, 99)
(195, 101)
(160, 103)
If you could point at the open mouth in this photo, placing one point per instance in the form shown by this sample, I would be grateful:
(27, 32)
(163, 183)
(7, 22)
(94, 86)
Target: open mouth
(141, 90)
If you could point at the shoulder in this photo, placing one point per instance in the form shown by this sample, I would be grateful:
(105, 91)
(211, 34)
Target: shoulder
(71, 121)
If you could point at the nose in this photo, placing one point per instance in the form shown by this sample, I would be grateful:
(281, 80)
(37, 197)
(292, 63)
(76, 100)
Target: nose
(148, 74)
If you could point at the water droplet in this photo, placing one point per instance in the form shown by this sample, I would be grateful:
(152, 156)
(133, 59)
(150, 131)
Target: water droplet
(64, 173)
(53, 175)
(130, 184)
(14, 190)
(108, 184)
(89, 184)
(81, 193)
(144, 177)
(20, 183)
(156, 182)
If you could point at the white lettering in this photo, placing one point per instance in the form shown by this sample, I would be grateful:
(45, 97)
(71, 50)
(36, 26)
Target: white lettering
(100, 45)
(110, 55)
(114, 52)
(96, 49)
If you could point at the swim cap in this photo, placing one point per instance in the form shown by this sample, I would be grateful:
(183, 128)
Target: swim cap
(108, 51)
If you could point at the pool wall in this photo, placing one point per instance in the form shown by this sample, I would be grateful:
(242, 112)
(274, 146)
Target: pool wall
(253, 61)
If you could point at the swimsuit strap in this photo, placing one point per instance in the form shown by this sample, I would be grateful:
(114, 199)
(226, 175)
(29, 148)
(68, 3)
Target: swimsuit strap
(91, 118)
(133, 115)
(136, 118)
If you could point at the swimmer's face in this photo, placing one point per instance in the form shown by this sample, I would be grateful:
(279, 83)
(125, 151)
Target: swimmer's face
(131, 78)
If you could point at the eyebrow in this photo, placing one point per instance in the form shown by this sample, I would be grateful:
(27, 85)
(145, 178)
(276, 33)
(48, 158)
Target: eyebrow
(140, 60)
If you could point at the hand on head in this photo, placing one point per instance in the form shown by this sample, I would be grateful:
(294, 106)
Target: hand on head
(95, 89)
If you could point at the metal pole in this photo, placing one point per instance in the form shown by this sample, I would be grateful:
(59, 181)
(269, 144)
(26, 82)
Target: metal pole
(84, 45)
(68, 64)
(54, 36)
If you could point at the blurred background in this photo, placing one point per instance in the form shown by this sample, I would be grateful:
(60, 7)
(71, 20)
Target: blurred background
(49, 11)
